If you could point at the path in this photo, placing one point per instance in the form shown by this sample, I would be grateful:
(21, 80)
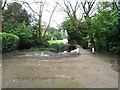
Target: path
(84, 71)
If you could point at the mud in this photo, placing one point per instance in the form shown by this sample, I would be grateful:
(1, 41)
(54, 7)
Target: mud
(86, 70)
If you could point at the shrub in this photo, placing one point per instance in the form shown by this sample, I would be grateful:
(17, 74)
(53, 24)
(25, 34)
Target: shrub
(9, 41)
(56, 35)
(26, 36)
(55, 45)
(115, 50)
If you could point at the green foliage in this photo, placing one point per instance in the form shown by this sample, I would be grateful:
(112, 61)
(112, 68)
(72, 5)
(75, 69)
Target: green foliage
(49, 37)
(53, 43)
(58, 35)
(105, 30)
(73, 33)
(55, 35)
(9, 41)
(13, 16)
(35, 31)
(26, 36)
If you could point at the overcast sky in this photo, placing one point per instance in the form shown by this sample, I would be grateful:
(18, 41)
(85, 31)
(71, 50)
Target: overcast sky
(58, 17)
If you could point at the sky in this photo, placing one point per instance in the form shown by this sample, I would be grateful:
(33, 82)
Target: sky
(58, 17)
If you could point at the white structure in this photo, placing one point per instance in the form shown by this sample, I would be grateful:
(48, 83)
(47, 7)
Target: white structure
(77, 51)
(93, 50)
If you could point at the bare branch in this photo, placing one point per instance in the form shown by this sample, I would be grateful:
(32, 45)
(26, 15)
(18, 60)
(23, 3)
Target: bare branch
(62, 7)
(67, 7)
(29, 6)
(4, 4)
(87, 7)
(71, 7)
(116, 6)
(83, 5)
(91, 5)
(43, 7)
(67, 10)
(77, 5)
(50, 20)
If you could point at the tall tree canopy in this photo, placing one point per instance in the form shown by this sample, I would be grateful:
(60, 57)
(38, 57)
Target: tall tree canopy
(14, 15)
(105, 27)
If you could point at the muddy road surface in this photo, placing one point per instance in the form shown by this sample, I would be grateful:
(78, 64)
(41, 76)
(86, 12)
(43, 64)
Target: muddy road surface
(30, 70)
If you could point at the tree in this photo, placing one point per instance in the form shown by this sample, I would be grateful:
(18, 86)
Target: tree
(41, 5)
(13, 16)
(25, 34)
(4, 4)
(117, 5)
(106, 28)
(72, 23)
(87, 8)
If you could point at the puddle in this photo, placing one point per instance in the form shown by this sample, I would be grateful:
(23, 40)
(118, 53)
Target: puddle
(44, 55)
(34, 55)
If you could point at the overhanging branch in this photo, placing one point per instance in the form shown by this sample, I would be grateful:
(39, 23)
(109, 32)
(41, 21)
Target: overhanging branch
(5, 2)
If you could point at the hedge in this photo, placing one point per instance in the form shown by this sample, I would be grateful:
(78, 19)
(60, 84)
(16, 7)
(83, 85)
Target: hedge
(9, 41)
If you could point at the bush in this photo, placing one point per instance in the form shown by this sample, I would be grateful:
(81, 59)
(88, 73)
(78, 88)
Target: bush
(26, 37)
(9, 41)
(54, 36)
(105, 27)
(55, 45)
(115, 50)
(57, 35)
